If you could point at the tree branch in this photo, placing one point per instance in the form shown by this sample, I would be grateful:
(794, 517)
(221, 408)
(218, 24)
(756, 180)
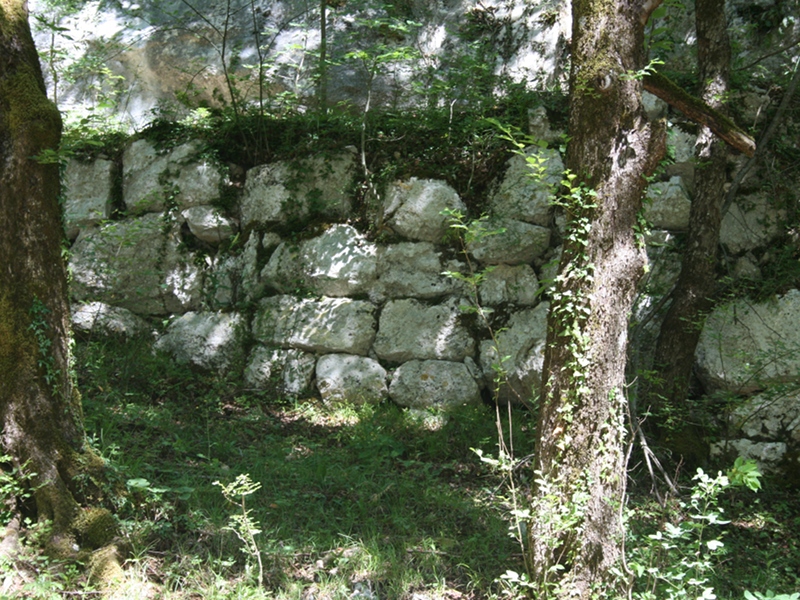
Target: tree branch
(700, 112)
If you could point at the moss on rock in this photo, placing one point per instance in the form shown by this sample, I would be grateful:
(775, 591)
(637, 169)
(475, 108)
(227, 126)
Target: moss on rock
(95, 527)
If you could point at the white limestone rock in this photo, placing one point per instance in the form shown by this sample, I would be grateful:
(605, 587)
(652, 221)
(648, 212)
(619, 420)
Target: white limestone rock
(768, 455)
(505, 284)
(208, 225)
(205, 339)
(147, 173)
(411, 330)
(87, 194)
(136, 265)
(352, 379)
(104, 319)
(751, 222)
(669, 205)
(284, 191)
(436, 384)
(329, 325)
(414, 270)
(523, 341)
(340, 262)
(770, 416)
(525, 193)
(414, 208)
(285, 371)
(746, 347)
(515, 243)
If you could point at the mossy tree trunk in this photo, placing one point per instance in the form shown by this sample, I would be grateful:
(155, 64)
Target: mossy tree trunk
(693, 294)
(40, 411)
(576, 531)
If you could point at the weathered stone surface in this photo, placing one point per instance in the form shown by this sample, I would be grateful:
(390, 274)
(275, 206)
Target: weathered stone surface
(135, 265)
(771, 416)
(433, 384)
(539, 125)
(251, 285)
(669, 205)
(284, 269)
(681, 145)
(517, 244)
(523, 341)
(768, 455)
(412, 330)
(746, 347)
(205, 339)
(505, 284)
(348, 378)
(284, 371)
(525, 193)
(104, 319)
(750, 223)
(329, 325)
(340, 262)
(414, 270)
(208, 225)
(284, 191)
(414, 208)
(87, 194)
(146, 174)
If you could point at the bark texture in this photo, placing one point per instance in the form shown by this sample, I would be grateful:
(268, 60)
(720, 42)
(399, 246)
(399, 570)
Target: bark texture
(576, 532)
(692, 296)
(40, 412)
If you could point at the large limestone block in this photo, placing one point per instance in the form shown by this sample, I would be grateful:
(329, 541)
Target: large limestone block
(348, 378)
(284, 371)
(287, 191)
(411, 330)
(340, 262)
(329, 325)
(434, 384)
(510, 242)
(525, 193)
(770, 416)
(768, 455)
(415, 270)
(87, 194)
(746, 347)
(104, 319)
(208, 225)
(147, 173)
(751, 222)
(505, 284)
(206, 339)
(523, 341)
(136, 265)
(669, 205)
(414, 208)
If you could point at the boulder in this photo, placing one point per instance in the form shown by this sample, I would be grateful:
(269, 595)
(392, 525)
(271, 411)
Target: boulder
(340, 262)
(353, 379)
(329, 325)
(87, 194)
(510, 242)
(523, 341)
(205, 339)
(282, 192)
(526, 190)
(414, 270)
(771, 416)
(751, 222)
(669, 205)
(414, 208)
(434, 384)
(745, 347)
(135, 264)
(410, 330)
(207, 224)
(285, 371)
(768, 455)
(104, 319)
(505, 284)
(150, 178)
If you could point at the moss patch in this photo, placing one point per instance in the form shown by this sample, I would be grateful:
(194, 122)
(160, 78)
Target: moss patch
(95, 527)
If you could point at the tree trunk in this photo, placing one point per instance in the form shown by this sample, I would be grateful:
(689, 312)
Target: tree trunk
(576, 533)
(692, 297)
(40, 411)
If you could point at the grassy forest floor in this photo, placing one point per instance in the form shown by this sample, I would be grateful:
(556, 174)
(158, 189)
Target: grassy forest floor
(362, 503)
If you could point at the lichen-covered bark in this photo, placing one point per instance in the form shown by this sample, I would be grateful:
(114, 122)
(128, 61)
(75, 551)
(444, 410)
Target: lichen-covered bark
(693, 294)
(40, 412)
(576, 532)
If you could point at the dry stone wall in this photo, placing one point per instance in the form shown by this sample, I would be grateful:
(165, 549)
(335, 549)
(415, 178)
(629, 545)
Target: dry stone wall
(340, 315)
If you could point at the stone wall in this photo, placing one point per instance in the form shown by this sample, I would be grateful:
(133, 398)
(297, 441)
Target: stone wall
(281, 287)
